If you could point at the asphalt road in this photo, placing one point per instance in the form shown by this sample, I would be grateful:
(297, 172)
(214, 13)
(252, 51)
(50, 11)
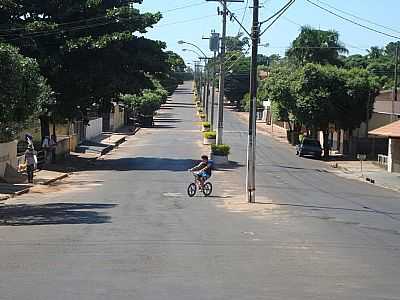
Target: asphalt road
(125, 229)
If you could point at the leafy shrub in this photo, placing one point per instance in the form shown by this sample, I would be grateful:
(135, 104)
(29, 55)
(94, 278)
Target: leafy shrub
(202, 116)
(23, 92)
(160, 90)
(210, 134)
(206, 124)
(220, 149)
(145, 104)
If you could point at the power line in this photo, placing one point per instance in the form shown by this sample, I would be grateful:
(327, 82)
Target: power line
(278, 12)
(244, 15)
(192, 19)
(278, 15)
(359, 18)
(347, 44)
(352, 21)
(86, 26)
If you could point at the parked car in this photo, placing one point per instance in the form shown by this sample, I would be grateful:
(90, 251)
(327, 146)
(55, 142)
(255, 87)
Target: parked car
(310, 147)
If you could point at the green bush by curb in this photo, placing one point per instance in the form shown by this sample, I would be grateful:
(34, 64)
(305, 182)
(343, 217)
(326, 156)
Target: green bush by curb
(220, 150)
(210, 135)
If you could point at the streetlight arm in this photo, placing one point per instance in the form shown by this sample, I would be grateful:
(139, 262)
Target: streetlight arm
(197, 47)
(190, 50)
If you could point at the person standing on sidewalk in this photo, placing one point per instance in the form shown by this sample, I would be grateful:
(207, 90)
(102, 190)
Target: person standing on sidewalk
(46, 149)
(53, 147)
(31, 162)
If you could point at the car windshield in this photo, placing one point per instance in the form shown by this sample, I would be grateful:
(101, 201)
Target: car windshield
(312, 143)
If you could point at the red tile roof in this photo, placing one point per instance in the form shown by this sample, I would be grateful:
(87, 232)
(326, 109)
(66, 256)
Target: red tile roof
(391, 130)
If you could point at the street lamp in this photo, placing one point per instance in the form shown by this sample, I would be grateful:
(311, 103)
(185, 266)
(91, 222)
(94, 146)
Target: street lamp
(194, 45)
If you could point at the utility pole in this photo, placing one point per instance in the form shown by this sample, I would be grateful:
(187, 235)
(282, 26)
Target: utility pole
(208, 91)
(251, 146)
(205, 86)
(214, 40)
(395, 81)
(213, 92)
(220, 130)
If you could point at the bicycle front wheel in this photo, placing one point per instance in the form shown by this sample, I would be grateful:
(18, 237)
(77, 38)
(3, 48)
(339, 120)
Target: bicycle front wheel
(192, 189)
(207, 190)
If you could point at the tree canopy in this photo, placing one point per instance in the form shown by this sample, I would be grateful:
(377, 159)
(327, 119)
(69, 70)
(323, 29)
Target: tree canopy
(316, 46)
(90, 51)
(23, 91)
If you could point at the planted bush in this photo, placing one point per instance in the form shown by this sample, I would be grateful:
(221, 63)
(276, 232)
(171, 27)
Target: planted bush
(202, 116)
(206, 124)
(222, 150)
(210, 135)
(145, 104)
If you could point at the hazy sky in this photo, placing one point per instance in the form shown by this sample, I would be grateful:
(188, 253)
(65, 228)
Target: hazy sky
(190, 20)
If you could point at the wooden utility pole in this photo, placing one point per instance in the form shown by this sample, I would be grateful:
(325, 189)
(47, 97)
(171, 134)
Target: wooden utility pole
(251, 147)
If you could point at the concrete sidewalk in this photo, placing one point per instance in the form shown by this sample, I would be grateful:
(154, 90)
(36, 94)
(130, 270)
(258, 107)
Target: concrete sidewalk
(105, 142)
(371, 173)
(41, 177)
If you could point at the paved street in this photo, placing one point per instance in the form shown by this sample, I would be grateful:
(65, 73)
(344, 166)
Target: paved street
(125, 229)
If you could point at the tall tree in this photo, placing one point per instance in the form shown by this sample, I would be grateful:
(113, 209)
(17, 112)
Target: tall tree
(89, 50)
(316, 46)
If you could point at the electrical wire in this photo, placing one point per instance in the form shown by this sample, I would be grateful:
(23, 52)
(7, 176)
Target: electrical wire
(3, 33)
(279, 15)
(278, 12)
(359, 18)
(352, 21)
(244, 16)
(193, 19)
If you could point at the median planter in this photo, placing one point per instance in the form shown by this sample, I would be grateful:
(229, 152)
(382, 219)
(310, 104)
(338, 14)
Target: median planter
(219, 154)
(205, 126)
(209, 138)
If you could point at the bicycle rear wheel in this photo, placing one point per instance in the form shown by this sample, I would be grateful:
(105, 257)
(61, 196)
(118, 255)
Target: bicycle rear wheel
(207, 190)
(192, 189)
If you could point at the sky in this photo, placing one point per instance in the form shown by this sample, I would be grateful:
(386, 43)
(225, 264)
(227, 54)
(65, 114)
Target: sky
(191, 20)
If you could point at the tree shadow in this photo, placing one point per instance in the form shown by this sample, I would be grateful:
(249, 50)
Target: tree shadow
(134, 164)
(167, 120)
(54, 214)
(162, 126)
(232, 165)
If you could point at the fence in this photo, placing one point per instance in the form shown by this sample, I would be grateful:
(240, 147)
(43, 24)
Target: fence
(383, 160)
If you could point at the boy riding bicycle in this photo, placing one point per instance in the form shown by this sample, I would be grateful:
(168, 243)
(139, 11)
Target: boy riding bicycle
(203, 170)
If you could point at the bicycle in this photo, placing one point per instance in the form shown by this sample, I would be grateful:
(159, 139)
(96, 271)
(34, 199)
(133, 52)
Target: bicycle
(192, 188)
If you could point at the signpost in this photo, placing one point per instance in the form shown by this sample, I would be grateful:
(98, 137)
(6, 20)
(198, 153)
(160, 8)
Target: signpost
(361, 158)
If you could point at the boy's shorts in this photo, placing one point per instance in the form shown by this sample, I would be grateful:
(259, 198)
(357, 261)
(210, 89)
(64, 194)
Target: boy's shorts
(204, 175)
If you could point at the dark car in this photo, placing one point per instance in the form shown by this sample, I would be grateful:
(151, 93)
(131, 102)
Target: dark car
(310, 147)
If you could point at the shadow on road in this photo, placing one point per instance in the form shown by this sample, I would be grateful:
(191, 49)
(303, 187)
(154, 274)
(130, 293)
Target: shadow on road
(53, 214)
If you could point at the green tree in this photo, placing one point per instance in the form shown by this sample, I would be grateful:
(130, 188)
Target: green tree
(316, 46)
(237, 43)
(90, 50)
(23, 91)
(375, 52)
(278, 88)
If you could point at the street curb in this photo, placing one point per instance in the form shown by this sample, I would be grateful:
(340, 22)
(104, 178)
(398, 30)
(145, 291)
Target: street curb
(55, 179)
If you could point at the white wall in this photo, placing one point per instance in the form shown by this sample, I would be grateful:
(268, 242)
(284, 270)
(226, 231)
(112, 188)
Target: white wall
(8, 155)
(95, 128)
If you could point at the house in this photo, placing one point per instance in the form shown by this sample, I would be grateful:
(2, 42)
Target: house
(360, 140)
(391, 132)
